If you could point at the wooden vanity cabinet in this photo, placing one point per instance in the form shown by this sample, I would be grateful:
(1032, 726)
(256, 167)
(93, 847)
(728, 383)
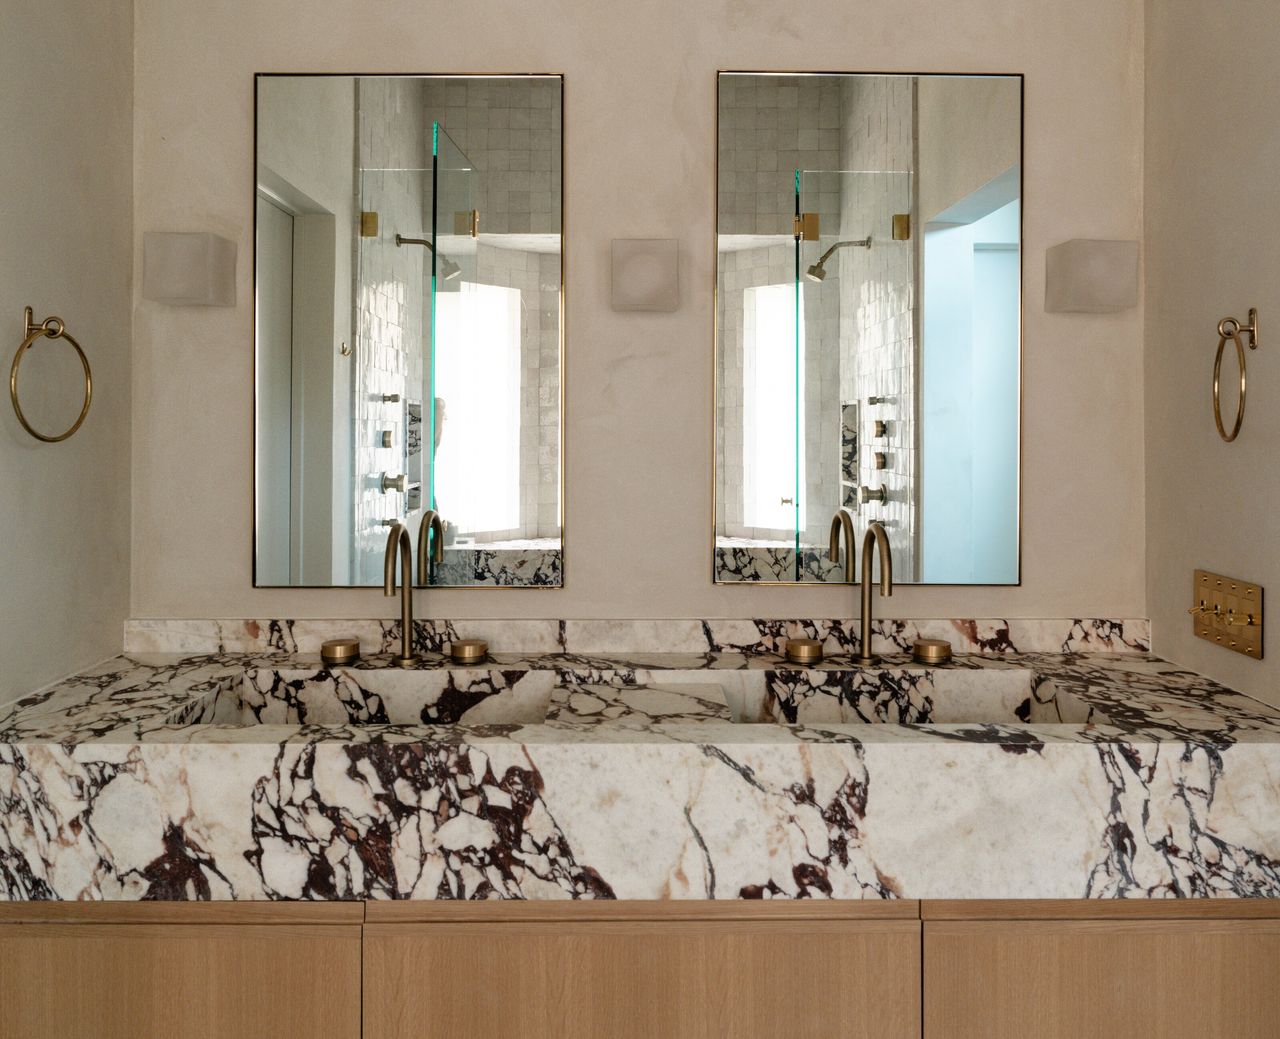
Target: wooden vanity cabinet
(625, 970)
(1106, 970)
(153, 970)
(622, 970)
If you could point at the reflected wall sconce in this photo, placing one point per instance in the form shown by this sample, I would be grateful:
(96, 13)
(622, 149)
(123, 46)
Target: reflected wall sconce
(645, 274)
(1091, 276)
(189, 269)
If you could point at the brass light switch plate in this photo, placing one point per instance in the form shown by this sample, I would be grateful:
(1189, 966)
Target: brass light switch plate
(1228, 612)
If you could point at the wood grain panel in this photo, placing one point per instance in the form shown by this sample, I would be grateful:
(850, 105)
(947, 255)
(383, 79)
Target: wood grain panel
(630, 979)
(1102, 909)
(173, 981)
(1113, 979)
(183, 912)
(583, 910)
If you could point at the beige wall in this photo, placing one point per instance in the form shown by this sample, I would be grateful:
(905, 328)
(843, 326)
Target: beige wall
(964, 138)
(1213, 249)
(65, 250)
(640, 154)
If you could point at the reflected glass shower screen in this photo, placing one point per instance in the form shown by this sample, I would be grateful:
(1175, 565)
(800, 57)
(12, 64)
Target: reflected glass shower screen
(453, 270)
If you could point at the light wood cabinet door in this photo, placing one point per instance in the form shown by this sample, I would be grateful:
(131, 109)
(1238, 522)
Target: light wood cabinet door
(657, 979)
(1105, 979)
(179, 980)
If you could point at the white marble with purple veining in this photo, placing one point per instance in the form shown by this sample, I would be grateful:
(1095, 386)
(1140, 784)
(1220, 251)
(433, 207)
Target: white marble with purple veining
(250, 771)
(992, 635)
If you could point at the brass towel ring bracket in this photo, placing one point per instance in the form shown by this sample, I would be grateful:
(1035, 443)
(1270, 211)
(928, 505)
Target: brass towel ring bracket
(1231, 328)
(54, 328)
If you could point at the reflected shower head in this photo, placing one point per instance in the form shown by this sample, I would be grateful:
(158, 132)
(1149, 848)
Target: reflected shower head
(448, 269)
(818, 271)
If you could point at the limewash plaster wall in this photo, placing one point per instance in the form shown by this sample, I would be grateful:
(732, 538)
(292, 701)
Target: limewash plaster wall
(1213, 249)
(640, 156)
(65, 250)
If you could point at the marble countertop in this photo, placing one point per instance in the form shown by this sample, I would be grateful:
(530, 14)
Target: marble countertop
(695, 775)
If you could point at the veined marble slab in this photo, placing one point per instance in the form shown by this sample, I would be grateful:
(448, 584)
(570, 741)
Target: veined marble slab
(615, 637)
(1035, 775)
(531, 564)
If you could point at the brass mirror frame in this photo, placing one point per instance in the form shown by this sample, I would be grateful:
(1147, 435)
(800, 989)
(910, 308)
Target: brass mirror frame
(258, 77)
(715, 312)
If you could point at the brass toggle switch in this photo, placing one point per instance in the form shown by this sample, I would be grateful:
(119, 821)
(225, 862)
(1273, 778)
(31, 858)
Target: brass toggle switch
(1228, 613)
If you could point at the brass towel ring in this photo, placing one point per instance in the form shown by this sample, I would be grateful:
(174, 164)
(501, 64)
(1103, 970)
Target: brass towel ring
(54, 328)
(1230, 328)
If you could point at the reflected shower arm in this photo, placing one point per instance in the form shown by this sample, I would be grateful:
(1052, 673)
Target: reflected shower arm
(861, 243)
(402, 240)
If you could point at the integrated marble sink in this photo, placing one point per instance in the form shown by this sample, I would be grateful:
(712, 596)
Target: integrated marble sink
(775, 693)
(624, 696)
(390, 696)
(915, 696)
(252, 772)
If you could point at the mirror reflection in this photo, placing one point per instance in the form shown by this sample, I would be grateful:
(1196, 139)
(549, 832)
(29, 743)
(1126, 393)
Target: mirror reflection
(408, 327)
(868, 323)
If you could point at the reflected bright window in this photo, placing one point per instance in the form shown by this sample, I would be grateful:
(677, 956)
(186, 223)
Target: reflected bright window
(477, 368)
(773, 407)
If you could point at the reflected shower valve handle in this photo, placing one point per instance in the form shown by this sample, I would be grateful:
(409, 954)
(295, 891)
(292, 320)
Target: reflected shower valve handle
(786, 501)
(866, 495)
(394, 483)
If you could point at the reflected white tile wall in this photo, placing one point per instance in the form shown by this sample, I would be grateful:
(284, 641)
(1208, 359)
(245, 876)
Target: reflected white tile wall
(877, 311)
(510, 130)
(391, 301)
(769, 128)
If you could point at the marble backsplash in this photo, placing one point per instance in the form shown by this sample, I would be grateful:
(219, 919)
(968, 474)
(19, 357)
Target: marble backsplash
(967, 635)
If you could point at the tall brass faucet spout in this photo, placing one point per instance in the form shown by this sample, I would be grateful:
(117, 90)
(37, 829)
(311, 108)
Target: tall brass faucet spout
(842, 524)
(430, 521)
(398, 544)
(874, 538)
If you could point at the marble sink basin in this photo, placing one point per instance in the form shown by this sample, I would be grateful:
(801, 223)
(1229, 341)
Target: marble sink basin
(627, 697)
(901, 694)
(915, 696)
(364, 696)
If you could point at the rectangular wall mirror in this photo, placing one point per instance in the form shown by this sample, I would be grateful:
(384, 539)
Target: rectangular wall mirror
(868, 323)
(408, 326)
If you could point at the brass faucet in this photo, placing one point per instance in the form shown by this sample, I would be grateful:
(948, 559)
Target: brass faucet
(398, 544)
(842, 524)
(430, 521)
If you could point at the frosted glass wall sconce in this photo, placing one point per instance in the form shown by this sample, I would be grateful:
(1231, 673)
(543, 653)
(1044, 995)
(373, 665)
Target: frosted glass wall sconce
(189, 268)
(1091, 276)
(646, 274)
